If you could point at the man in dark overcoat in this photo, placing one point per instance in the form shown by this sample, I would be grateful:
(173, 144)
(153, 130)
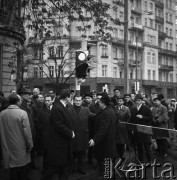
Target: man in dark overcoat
(123, 115)
(80, 116)
(141, 114)
(43, 125)
(104, 137)
(60, 135)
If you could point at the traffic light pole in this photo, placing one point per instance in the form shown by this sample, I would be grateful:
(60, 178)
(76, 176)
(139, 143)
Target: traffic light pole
(78, 84)
(126, 63)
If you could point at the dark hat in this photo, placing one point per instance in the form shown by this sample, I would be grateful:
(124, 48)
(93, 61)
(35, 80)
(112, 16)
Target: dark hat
(157, 98)
(106, 100)
(138, 96)
(120, 97)
(25, 91)
(93, 92)
(87, 95)
(125, 95)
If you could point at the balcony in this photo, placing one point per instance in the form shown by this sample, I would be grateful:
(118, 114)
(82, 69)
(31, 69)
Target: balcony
(159, 19)
(117, 41)
(134, 45)
(161, 35)
(163, 67)
(159, 3)
(32, 41)
(150, 44)
(167, 52)
(121, 61)
(136, 27)
(132, 63)
(136, 10)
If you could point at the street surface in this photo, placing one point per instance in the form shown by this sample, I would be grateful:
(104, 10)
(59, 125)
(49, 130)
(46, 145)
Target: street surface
(93, 174)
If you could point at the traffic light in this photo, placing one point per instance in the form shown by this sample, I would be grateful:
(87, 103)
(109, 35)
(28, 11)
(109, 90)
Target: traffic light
(82, 67)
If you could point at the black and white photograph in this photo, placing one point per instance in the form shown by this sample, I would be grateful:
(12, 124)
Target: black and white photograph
(88, 89)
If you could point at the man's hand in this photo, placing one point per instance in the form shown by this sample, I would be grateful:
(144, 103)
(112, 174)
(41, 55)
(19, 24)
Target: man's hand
(139, 116)
(73, 136)
(91, 142)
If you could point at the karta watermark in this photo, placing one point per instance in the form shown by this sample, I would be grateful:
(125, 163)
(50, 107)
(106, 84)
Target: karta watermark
(120, 167)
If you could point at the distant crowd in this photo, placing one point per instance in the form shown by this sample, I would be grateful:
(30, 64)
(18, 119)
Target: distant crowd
(67, 129)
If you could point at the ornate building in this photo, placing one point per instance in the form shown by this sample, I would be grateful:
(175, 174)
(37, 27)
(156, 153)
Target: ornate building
(12, 37)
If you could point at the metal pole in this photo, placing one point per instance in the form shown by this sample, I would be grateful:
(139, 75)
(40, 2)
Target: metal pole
(136, 84)
(126, 50)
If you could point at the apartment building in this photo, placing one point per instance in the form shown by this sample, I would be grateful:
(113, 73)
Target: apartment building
(152, 50)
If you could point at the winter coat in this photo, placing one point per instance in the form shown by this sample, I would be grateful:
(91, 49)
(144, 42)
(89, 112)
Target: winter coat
(43, 126)
(15, 136)
(80, 127)
(60, 135)
(160, 114)
(123, 115)
(105, 134)
(146, 120)
(30, 114)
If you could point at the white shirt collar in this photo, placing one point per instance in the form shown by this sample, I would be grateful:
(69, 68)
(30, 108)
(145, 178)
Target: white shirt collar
(63, 103)
(138, 107)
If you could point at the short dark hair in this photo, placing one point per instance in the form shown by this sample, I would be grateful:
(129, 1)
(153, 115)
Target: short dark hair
(160, 96)
(106, 100)
(13, 99)
(54, 91)
(12, 90)
(116, 89)
(77, 96)
(65, 93)
(48, 95)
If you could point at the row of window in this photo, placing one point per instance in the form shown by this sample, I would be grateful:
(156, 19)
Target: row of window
(39, 72)
(164, 76)
(58, 51)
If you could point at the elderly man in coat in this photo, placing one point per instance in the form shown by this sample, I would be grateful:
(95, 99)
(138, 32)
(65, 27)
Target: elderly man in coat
(16, 139)
(160, 119)
(60, 135)
(141, 114)
(104, 137)
(80, 116)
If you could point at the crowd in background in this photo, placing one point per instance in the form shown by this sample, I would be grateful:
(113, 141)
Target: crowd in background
(66, 128)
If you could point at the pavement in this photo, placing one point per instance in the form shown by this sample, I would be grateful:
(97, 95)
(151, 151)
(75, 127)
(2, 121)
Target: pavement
(166, 169)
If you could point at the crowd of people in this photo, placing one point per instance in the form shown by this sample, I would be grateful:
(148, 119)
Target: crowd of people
(66, 128)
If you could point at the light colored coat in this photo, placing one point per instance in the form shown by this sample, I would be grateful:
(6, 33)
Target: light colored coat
(15, 137)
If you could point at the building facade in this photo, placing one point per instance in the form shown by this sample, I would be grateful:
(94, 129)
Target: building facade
(12, 37)
(152, 50)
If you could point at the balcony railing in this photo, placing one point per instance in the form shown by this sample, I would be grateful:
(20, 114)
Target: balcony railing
(138, 27)
(132, 62)
(136, 10)
(133, 43)
(166, 51)
(162, 35)
(159, 19)
(166, 67)
(118, 40)
(159, 3)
